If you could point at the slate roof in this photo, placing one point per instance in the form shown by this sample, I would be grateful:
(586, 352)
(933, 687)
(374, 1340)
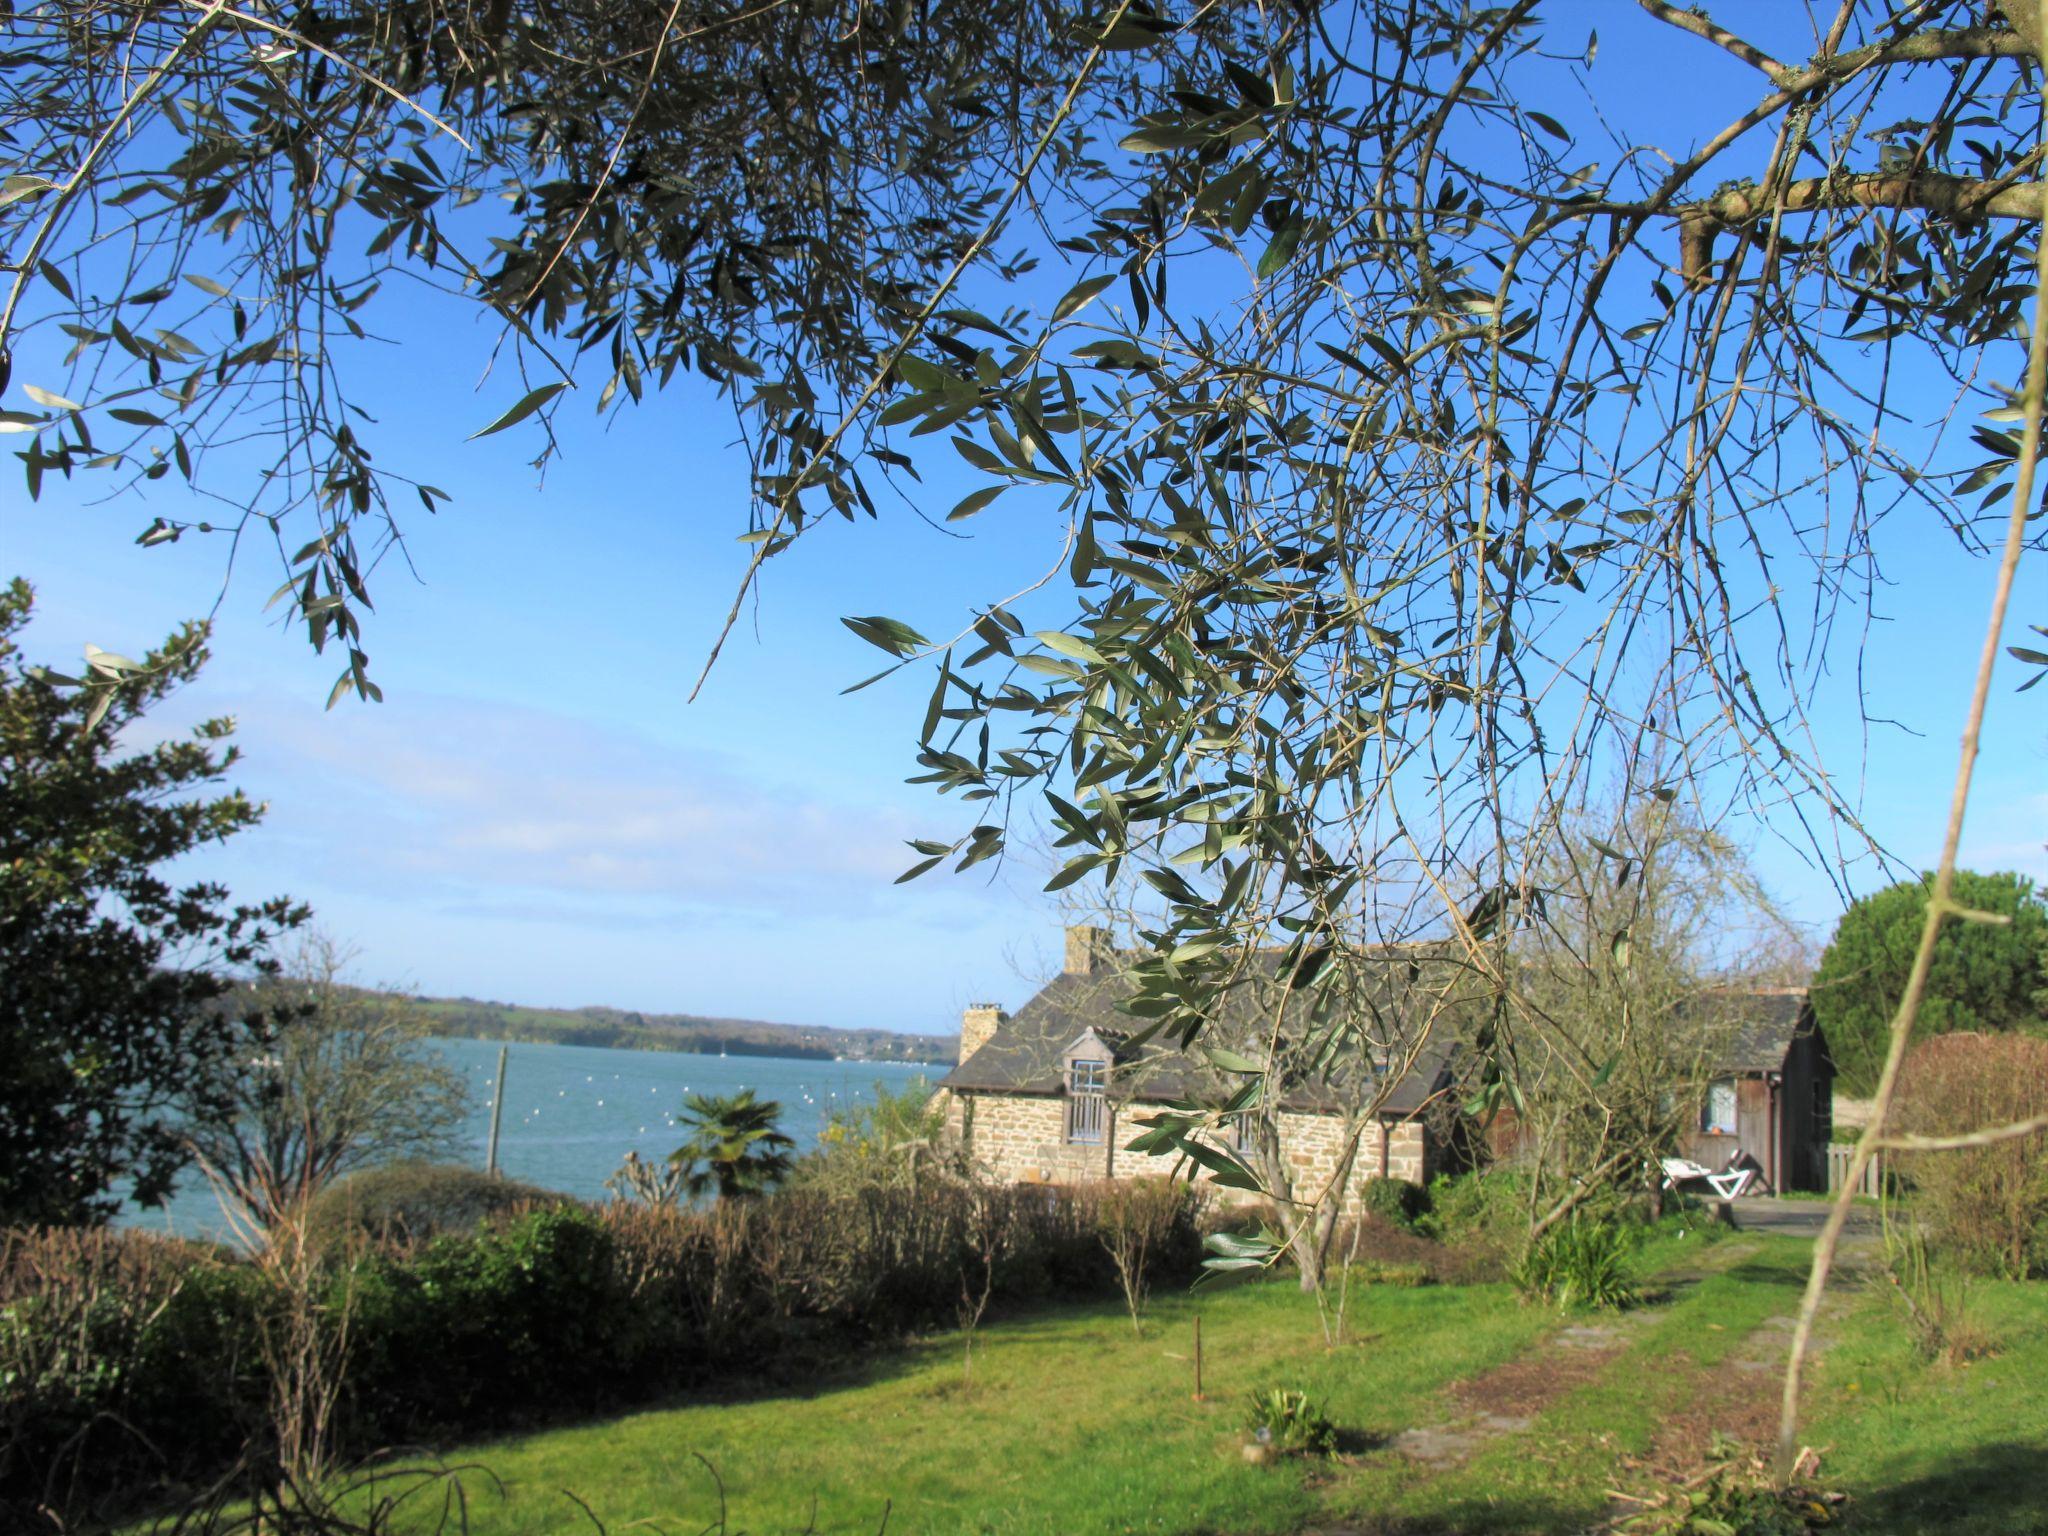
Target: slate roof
(1024, 1056)
(1767, 1024)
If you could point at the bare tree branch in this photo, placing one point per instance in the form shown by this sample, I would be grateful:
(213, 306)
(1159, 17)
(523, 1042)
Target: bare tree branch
(1989, 1136)
(1941, 903)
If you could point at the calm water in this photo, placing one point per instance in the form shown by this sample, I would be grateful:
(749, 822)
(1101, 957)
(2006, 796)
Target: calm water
(572, 1112)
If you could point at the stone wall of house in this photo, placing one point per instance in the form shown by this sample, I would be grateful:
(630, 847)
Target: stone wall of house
(1313, 1143)
(1020, 1139)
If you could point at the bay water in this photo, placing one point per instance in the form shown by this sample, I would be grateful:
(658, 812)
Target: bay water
(572, 1112)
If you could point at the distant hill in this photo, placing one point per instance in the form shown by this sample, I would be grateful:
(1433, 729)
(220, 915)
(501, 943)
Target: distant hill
(469, 1018)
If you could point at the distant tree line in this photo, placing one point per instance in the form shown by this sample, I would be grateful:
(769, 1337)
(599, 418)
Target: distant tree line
(616, 1029)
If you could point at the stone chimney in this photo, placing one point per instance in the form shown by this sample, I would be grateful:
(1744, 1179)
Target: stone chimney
(977, 1022)
(1088, 952)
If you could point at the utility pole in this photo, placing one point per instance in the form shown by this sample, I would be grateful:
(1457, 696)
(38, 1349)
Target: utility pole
(497, 1112)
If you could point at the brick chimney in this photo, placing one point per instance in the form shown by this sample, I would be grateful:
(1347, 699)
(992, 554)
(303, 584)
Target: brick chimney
(977, 1022)
(1088, 952)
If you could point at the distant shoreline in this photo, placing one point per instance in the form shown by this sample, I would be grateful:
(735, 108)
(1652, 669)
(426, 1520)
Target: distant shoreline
(620, 1029)
(635, 1040)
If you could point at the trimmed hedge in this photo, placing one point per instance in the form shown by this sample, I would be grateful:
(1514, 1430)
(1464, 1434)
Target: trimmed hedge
(155, 1368)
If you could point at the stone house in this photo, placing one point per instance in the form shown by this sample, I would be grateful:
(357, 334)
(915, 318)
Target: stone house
(1052, 1094)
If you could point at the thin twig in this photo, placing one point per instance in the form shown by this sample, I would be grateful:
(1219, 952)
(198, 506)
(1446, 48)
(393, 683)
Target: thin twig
(1941, 903)
(1981, 1138)
(25, 267)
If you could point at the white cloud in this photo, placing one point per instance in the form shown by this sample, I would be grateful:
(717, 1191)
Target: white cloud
(499, 805)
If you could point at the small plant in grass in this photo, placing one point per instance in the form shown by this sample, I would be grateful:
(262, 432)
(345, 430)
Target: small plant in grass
(1578, 1263)
(1289, 1423)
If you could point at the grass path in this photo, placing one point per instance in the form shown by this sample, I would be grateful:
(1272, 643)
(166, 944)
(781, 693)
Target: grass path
(1470, 1414)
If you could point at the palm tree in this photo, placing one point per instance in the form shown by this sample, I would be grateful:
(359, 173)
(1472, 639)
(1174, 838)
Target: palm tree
(734, 1146)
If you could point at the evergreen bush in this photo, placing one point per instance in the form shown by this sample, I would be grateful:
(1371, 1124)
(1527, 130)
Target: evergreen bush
(414, 1201)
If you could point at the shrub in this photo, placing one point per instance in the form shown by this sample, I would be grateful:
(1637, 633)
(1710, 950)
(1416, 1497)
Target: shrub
(1987, 1206)
(1395, 1201)
(1484, 1214)
(1140, 1224)
(1578, 1263)
(1935, 1297)
(517, 1321)
(895, 1139)
(114, 1344)
(1375, 1249)
(120, 1362)
(1291, 1423)
(417, 1201)
(1402, 1277)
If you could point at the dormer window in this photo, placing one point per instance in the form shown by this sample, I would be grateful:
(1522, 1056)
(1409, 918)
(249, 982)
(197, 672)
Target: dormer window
(1087, 1101)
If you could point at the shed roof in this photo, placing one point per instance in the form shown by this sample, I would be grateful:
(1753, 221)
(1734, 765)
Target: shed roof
(1024, 1055)
(1768, 1022)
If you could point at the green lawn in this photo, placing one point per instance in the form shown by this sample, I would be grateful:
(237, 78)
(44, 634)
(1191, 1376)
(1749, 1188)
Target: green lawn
(1960, 1449)
(1070, 1424)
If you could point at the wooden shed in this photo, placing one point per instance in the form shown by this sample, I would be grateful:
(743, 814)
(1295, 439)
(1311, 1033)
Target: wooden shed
(1772, 1102)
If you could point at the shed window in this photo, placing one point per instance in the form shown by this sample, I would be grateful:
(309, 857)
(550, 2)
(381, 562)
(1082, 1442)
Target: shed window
(1087, 1101)
(1718, 1118)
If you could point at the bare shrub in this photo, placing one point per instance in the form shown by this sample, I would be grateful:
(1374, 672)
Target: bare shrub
(348, 1081)
(75, 1308)
(1985, 1205)
(303, 1341)
(991, 1219)
(1135, 1221)
(649, 1183)
(1935, 1298)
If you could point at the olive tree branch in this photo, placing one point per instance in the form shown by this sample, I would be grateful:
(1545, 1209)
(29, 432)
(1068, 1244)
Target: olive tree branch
(911, 332)
(1913, 48)
(67, 194)
(299, 40)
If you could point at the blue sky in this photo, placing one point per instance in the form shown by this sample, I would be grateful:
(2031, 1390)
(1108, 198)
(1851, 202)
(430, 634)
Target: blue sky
(536, 813)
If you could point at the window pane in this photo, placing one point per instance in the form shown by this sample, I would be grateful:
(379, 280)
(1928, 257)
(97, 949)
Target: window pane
(1719, 1116)
(1087, 1107)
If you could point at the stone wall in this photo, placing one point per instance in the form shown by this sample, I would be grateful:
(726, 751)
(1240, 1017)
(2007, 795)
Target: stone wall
(1312, 1143)
(1020, 1139)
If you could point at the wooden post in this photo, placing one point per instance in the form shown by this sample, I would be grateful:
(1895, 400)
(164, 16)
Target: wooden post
(1198, 1357)
(497, 1113)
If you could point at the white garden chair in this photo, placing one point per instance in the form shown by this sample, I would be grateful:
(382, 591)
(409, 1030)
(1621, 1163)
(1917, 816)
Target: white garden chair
(1729, 1183)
